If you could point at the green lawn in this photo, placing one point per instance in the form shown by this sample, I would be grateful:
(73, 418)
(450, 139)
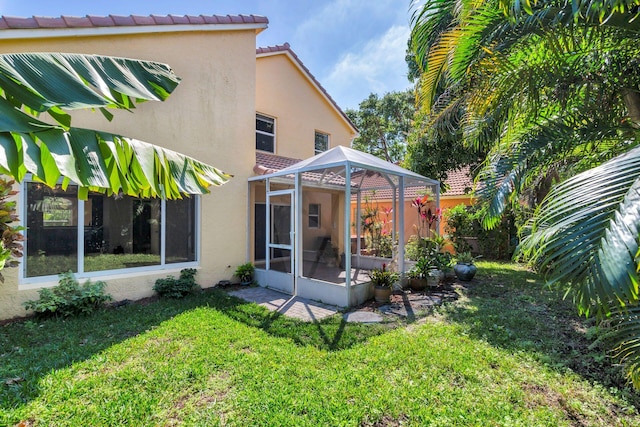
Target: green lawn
(507, 353)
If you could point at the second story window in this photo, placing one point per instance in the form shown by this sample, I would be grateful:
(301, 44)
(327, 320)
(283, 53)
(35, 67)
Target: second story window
(322, 142)
(265, 133)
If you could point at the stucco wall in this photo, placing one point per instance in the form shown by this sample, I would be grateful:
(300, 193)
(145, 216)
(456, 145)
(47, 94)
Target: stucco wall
(284, 93)
(210, 116)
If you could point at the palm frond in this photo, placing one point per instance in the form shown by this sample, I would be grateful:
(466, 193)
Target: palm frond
(586, 234)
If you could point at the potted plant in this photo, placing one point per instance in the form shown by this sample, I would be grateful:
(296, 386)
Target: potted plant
(465, 269)
(245, 272)
(442, 262)
(418, 274)
(383, 280)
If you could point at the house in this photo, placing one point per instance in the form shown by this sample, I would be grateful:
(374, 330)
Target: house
(232, 101)
(247, 111)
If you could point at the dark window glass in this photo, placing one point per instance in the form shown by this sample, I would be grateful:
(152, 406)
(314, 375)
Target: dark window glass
(181, 230)
(314, 215)
(322, 142)
(121, 232)
(52, 230)
(265, 133)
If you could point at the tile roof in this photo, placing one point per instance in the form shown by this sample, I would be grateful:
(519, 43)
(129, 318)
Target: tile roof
(286, 48)
(90, 21)
(269, 163)
(459, 181)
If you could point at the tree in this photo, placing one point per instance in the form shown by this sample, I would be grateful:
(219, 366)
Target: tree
(551, 90)
(32, 84)
(384, 124)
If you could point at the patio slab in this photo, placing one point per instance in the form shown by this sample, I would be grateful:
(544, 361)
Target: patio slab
(362, 316)
(292, 306)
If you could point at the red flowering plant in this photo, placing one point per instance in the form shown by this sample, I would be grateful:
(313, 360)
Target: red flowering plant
(420, 245)
(376, 229)
(427, 217)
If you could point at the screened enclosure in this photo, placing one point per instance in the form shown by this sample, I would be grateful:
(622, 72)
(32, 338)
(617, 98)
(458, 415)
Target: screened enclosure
(320, 225)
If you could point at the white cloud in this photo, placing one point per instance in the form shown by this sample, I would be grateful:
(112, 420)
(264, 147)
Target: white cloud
(378, 67)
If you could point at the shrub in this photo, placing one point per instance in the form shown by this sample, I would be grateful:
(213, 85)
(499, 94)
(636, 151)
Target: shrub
(466, 221)
(420, 247)
(69, 298)
(170, 287)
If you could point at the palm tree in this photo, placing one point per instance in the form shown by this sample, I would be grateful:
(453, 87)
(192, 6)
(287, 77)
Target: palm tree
(551, 90)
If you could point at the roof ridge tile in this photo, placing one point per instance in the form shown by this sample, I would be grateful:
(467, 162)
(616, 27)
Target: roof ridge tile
(44, 22)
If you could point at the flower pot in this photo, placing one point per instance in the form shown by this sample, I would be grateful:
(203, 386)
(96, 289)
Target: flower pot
(465, 272)
(418, 284)
(434, 277)
(382, 294)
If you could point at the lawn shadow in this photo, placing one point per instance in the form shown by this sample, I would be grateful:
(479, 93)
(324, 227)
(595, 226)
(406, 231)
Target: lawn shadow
(514, 310)
(331, 333)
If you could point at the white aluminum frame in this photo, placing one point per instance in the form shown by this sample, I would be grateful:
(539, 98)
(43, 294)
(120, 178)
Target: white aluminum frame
(25, 282)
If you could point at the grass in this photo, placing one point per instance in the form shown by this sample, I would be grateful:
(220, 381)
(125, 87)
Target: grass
(508, 352)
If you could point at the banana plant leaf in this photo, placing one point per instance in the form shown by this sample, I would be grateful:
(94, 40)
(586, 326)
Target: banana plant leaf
(35, 83)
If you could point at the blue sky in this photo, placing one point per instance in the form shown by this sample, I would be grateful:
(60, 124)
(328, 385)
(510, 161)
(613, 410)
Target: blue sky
(353, 47)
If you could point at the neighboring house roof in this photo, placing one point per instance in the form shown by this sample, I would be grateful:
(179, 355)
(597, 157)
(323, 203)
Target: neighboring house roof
(16, 27)
(459, 182)
(286, 50)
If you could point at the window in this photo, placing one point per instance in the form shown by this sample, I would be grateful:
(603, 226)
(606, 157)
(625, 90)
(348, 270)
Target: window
(314, 215)
(115, 232)
(322, 142)
(265, 133)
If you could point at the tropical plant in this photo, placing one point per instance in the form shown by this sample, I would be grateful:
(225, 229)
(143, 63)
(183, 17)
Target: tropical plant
(53, 83)
(465, 258)
(69, 298)
(245, 272)
(11, 240)
(551, 89)
(383, 277)
(170, 287)
(421, 269)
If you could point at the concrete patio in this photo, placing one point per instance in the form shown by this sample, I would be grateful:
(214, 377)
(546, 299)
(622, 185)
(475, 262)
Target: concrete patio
(406, 305)
(292, 306)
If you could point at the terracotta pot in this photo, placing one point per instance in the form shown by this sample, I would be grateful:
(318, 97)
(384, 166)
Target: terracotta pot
(382, 294)
(418, 284)
(465, 272)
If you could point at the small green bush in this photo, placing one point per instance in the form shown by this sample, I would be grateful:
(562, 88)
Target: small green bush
(69, 298)
(466, 221)
(170, 287)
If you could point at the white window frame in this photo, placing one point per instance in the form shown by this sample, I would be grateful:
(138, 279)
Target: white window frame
(267, 133)
(317, 216)
(315, 135)
(25, 282)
